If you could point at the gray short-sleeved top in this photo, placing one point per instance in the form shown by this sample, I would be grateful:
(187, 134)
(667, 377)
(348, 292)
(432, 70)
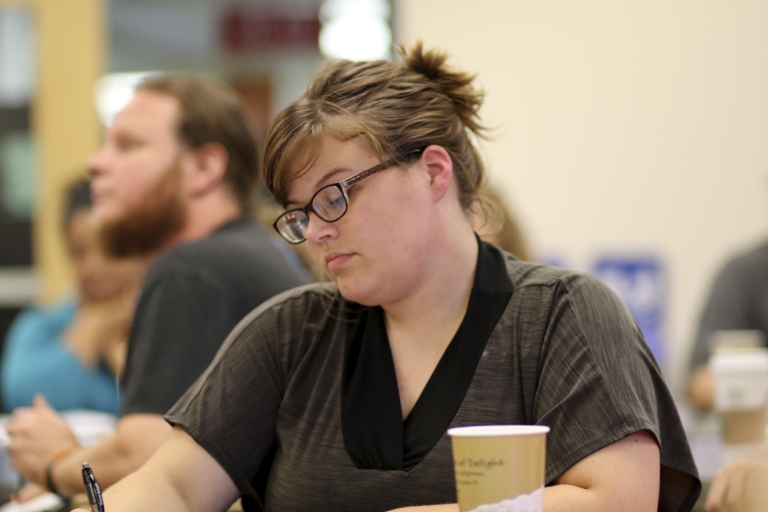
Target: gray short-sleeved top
(194, 294)
(738, 299)
(565, 353)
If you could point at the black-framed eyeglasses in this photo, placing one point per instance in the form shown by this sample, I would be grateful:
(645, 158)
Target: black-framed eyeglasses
(330, 203)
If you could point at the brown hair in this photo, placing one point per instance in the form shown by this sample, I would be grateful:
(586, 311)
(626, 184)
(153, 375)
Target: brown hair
(393, 107)
(211, 112)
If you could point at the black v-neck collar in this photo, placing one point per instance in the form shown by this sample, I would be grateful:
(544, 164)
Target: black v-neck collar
(375, 435)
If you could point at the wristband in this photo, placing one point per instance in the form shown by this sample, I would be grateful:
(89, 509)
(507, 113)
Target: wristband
(55, 459)
(49, 478)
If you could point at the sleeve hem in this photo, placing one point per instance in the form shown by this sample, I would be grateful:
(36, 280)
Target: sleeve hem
(571, 458)
(240, 480)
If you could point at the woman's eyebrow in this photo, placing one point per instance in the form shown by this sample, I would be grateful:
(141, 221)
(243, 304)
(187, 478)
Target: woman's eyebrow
(325, 180)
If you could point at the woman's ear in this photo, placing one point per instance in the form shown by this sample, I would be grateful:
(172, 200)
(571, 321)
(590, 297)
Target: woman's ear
(209, 164)
(440, 170)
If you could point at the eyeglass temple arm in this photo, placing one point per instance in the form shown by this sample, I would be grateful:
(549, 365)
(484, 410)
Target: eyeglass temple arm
(373, 170)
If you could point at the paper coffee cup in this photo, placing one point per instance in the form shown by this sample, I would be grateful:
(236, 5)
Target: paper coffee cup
(499, 468)
(741, 379)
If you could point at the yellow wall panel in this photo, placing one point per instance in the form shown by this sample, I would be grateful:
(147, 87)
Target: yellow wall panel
(71, 52)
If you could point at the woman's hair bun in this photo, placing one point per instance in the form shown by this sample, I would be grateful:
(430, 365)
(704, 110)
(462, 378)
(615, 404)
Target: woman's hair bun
(456, 85)
(428, 63)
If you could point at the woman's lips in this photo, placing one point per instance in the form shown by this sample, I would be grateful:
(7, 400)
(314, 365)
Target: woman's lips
(335, 260)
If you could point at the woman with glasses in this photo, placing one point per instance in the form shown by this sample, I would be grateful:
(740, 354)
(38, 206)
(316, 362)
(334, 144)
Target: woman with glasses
(337, 397)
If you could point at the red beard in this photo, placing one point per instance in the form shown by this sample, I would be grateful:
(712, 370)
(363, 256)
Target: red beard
(161, 214)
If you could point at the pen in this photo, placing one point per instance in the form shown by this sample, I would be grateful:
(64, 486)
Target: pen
(92, 489)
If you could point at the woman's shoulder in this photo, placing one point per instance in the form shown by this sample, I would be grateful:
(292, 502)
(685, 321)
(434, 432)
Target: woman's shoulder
(293, 310)
(533, 274)
(548, 285)
(283, 330)
(51, 317)
(301, 299)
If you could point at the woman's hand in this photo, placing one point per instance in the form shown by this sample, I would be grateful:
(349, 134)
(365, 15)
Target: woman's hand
(37, 434)
(28, 492)
(99, 331)
(740, 487)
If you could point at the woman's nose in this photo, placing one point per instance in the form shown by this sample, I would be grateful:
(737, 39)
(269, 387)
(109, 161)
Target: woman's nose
(319, 231)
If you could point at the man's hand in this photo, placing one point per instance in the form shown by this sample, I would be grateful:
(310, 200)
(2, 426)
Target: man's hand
(701, 389)
(37, 434)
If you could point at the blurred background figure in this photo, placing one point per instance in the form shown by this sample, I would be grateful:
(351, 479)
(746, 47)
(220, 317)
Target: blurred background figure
(173, 184)
(740, 487)
(737, 301)
(72, 352)
(728, 377)
(496, 224)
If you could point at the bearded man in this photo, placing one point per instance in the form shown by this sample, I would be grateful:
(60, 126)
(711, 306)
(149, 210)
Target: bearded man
(173, 183)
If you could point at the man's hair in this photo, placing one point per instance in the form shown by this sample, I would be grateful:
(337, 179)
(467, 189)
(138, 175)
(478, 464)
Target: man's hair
(210, 112)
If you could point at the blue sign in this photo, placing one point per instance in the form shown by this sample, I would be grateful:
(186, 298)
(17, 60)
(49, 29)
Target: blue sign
(640, 284)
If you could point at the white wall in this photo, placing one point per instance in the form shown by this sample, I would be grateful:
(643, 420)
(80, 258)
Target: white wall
(630, 127)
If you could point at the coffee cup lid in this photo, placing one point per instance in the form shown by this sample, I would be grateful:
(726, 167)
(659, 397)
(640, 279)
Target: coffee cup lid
(498, 430)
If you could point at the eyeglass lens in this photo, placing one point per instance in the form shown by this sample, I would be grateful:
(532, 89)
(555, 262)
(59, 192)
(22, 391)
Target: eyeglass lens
(329, 204)
(292, 225)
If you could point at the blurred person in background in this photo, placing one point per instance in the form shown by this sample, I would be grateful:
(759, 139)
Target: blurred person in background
(71, 353)
(173, 183)
(737, 300)
(740, 487)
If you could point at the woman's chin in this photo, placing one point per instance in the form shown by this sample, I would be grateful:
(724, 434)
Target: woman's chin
(356, 293)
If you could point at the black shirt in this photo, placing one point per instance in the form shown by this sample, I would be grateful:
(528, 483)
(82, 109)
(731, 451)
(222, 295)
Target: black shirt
(192, 297)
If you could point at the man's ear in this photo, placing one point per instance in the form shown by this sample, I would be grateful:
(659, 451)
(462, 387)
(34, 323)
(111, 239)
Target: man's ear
(440, 170)
(209, 164)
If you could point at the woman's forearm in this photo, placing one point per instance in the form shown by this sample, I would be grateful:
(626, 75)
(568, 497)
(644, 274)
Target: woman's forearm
(180, 477)
(622, 476)
(571, 498)
(156, 493)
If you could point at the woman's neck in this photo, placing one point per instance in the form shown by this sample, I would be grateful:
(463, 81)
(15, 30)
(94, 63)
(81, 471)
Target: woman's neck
(439, 303)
